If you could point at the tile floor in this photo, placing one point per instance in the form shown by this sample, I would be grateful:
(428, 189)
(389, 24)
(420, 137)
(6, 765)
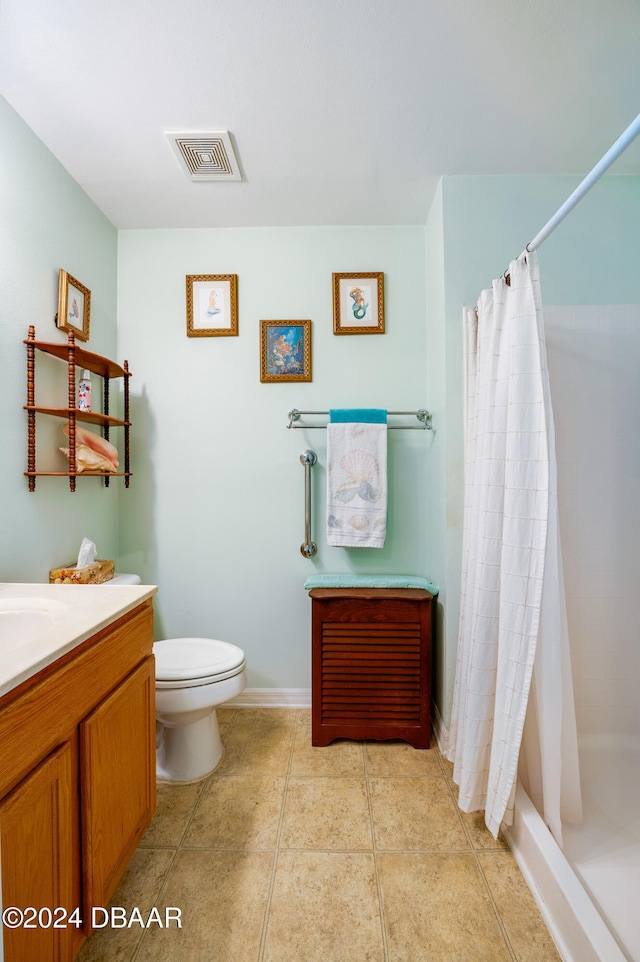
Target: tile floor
(352, 853)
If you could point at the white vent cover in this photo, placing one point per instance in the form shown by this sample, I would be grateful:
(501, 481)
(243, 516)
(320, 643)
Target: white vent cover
(206, 156)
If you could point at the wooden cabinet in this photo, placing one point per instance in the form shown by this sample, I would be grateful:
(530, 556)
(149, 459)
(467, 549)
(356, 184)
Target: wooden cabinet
(371, 653)
(77, 783)
(117, 782)
(36, 843)
(75, 357)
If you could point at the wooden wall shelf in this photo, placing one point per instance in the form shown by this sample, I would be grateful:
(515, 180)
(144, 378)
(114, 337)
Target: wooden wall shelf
(75, 357)
(90, 417)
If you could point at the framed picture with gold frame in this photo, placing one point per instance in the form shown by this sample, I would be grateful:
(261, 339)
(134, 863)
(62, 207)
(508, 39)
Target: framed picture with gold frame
(74, 306)
(358, 303)
(212, 305)
(285, 351)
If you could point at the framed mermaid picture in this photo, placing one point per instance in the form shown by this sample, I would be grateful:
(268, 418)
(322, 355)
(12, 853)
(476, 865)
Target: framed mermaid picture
(285, 351)
(358, 303)
(212, 305)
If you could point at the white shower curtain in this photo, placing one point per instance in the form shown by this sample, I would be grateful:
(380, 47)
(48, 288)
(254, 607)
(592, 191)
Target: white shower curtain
(512, 614)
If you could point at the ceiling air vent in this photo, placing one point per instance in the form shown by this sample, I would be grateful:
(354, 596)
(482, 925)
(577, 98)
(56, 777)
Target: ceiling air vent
(207, 156)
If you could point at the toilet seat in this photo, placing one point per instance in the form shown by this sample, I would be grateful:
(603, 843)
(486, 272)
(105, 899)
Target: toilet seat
(188, 662)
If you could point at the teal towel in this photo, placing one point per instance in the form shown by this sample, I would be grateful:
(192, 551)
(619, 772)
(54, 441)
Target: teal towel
(362, 415)
(349, 580)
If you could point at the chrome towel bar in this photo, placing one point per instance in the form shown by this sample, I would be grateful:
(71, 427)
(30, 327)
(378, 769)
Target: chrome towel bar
(422, 415)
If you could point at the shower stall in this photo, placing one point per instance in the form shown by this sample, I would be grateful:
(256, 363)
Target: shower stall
(588, 891)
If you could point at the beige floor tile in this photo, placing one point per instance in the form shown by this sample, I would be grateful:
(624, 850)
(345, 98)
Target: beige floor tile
(238, 812)
(265, 718)
(258, 741)
(174, 807)
(225, 714)
(342, 757)
(327, 814)
(447, 767)
(481, 837)
(223, 897)
(415, 814)
(527, 933)
(213, 843)
(399, 758)
(438, 910)
(139, 887)
(324, 908)
(225, 717)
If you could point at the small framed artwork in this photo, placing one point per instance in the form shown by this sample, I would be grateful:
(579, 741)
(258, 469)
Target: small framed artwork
(212, 305)
(74, 306)
(285, 350)
(358, 303)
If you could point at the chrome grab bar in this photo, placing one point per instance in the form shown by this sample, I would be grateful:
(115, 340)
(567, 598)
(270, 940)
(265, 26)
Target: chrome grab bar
(309, 548)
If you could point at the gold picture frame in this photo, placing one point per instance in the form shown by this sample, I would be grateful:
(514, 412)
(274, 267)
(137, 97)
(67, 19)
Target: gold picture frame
(74, 306)
(285, 351)
(212, 305)
(358, 303)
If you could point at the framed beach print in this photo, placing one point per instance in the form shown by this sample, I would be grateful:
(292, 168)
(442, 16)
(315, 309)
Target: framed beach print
(212, 305)
(74, 306)
(285, 350)
(358, 303)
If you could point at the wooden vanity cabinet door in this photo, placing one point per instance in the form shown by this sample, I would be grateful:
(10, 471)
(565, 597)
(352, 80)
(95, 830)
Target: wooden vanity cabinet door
(117, 772)
(36, 846)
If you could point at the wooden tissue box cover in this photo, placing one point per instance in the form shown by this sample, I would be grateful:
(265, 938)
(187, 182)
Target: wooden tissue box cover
(94, 574)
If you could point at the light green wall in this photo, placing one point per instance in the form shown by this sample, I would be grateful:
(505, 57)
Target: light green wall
(589, 259)
(437, 470)
(485, 222)
(216, 516)
(215, 511)
(46, 223)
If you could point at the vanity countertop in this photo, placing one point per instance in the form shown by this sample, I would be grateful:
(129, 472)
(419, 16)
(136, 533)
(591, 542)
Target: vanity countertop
(69, 614)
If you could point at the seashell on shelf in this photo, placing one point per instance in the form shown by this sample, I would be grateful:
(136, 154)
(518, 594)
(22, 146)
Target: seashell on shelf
(93, 453)
(89, 460)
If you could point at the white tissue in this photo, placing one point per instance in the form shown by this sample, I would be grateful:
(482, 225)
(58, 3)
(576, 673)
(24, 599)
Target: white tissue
(87, 553)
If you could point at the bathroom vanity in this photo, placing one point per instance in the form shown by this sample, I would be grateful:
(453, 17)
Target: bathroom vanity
(77, 767)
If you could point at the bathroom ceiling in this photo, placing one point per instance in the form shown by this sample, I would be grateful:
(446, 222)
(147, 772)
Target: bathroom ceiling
(341, 112)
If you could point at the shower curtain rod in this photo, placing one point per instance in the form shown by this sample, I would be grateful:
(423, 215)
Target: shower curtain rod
(594, 175)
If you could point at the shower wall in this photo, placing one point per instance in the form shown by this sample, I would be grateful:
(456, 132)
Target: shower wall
(593, 354)
(476, 226)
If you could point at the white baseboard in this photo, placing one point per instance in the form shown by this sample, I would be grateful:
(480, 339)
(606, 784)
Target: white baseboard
(441, 731)
(301, 698)
(272, 698)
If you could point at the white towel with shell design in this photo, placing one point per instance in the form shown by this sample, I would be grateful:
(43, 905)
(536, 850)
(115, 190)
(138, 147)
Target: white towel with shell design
(356, 485)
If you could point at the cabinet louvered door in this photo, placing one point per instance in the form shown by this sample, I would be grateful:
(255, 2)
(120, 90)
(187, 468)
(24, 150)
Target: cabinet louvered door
(370, 665)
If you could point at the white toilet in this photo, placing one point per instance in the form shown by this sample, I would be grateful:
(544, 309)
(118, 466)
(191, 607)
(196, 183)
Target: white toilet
(193, 677)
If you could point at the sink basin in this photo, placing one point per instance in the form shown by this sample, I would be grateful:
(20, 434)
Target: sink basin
(24, 620)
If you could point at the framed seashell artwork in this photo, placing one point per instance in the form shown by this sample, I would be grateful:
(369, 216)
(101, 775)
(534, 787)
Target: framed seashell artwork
(358, 303)
(285, 351)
